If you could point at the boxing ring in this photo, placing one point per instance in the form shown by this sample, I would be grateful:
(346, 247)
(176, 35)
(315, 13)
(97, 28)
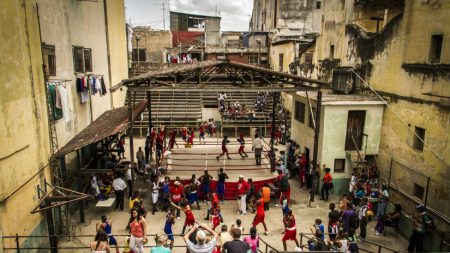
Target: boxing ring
(184, 162)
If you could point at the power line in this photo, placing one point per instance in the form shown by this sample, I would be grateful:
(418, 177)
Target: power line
(400, 118)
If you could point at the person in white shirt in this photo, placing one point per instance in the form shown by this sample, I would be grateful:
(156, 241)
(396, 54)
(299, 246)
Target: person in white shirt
(222, 96)
(201, 246)
(128, 176)
(257, 147)
(119, 186)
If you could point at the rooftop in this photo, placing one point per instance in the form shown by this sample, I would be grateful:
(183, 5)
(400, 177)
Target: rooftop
(330, 98)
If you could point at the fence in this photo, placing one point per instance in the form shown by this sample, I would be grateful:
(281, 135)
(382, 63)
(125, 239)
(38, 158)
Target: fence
(14, 243)
(420, 188)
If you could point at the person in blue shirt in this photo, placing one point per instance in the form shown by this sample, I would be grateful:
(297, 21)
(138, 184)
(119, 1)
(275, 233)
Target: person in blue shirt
(318, 226)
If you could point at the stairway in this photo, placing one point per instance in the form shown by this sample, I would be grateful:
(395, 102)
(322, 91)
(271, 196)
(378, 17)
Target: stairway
(180, 108)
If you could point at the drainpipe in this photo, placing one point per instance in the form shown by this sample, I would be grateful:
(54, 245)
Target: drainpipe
(105, 13)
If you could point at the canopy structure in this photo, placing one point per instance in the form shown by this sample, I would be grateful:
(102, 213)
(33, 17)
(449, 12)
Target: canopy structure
(213, 75)
(109, 123)
(58, 196)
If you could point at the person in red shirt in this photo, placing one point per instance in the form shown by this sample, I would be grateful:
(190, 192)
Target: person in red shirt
(225, 141)
(260, 215)
(327, 184)
(184, 133)
(242, 188)
(302, 169)
(215, 215)
(290, 232)
(190, 219)
(201, 133)
(191, 133)
(172, 140)
(241, 147)
(176, 195)
(214, 198)
(285, 188)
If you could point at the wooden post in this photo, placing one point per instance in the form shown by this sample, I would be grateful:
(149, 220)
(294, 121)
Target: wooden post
(51, 230)
(272, 134)
(316, 145)
(149, 108)
(130, 133)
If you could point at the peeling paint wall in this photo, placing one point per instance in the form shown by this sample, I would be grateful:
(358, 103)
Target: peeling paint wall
(155, 43)
(82, 23)
(287, 16)
(117, 49)
(399, 69)
(288, 51)
(332, 135)
(23, 113)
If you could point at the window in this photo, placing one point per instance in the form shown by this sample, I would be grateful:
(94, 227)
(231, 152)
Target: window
(308, 58)
(436, 48)
(339, 165)
(280, 61)
(87, 60)
(332, 51)
(318, 5)
(300, 111)
(418, 191)
(82, 59)
(142, 56)
(355, 130)
(252, 59)
(49, 59)
(310, 124)
(418, 137)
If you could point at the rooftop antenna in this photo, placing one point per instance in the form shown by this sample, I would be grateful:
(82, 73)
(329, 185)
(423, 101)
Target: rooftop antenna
(164, 15)
(216, 8)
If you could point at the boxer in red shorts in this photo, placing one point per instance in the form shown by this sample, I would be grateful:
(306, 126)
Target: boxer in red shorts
(260, 215)
(190, 219)
(290, 232)
(241, 147)
(225, 141)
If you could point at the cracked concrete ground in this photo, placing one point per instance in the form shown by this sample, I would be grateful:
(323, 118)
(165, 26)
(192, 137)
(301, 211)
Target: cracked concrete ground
(304, 215)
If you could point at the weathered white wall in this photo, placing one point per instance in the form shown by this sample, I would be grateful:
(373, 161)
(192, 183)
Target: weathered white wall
(333, 126)
(82, 23)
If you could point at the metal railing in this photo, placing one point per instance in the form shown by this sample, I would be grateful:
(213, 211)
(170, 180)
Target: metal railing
(425, 190)
(16, 243)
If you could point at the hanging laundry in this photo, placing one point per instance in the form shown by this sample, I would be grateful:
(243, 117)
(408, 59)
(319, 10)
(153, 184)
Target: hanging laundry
(79, 84)
(58, 98)
(92, 85)
(98, 86)
(56, 113)
(103, 86)
(65, 103)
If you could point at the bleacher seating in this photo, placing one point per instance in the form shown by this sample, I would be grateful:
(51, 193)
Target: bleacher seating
(184, 108)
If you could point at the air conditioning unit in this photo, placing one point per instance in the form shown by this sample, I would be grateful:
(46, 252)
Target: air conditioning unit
(343, 80)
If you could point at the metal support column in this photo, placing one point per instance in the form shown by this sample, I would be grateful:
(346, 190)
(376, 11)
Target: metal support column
(316, 146)
(149, 108)
(130, 133)
(272, 134)
(51, 230)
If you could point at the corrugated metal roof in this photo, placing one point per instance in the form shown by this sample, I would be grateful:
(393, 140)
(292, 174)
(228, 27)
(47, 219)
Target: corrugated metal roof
(109, 123)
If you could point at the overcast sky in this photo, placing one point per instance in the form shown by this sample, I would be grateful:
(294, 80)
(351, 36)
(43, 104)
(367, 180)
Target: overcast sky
(235, 13)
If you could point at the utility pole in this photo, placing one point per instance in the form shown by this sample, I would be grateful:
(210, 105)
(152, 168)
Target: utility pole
(164, 15)
(315, 151)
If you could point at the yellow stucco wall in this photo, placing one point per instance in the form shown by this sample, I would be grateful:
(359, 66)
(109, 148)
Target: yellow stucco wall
(287, 49)
(65, 24)
(23, 113)
(426, 20)
(117, 49)
(406, 40)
